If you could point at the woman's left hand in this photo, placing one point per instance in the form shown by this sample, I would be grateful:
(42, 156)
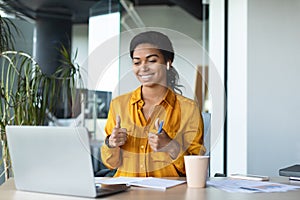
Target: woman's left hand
(162, 142)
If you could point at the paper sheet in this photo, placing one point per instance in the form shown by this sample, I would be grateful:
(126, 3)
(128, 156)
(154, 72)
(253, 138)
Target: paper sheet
(117, 180)
(246, 186)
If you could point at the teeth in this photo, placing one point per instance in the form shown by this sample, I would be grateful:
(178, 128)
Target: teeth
(145, 76)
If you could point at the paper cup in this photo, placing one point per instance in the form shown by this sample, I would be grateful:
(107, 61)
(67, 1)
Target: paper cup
(196, 170)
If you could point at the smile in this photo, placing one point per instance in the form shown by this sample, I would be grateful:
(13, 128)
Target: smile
(146, 76)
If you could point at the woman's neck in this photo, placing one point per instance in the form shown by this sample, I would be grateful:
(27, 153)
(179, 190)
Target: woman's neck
(153, 95)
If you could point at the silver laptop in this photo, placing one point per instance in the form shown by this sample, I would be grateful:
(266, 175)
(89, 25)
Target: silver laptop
(53, 160)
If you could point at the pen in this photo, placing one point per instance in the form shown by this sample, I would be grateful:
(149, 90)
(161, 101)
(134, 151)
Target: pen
(160, 127)
(249, 188)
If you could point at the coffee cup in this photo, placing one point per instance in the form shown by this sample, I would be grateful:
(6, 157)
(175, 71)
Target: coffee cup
(196, 168)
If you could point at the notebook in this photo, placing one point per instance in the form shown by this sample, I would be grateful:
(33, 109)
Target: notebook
(146, 182)
(54, 160)
(291, 171)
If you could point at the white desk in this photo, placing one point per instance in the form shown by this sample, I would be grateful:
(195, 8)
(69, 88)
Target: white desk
(8, 192)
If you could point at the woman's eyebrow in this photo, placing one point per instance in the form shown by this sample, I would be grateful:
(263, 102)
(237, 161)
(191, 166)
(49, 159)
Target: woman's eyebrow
(148, 56)
(151, 55)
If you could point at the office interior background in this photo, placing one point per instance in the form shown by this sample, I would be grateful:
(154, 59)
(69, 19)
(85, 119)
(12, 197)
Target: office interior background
(254, 46)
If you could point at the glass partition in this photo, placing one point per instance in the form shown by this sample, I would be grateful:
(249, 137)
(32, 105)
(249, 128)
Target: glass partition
(103, 63)
(110, 65)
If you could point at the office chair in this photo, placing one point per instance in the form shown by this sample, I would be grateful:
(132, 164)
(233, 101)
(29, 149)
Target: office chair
(206, 122)
(206, 138)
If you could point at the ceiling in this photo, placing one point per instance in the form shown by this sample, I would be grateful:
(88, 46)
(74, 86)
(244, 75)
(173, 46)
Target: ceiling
(78, 10)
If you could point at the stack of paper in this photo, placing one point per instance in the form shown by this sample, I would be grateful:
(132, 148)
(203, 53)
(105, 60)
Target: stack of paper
(149, 182)
(234, 185)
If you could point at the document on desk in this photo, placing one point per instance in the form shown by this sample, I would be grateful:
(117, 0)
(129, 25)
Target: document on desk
(148, 182)
(247, 186)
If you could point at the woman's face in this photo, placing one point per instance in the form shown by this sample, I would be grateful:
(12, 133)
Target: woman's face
(149, 65)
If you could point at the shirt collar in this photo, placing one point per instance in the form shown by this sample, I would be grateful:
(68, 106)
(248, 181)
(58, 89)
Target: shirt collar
(169, 98)
(136, 95)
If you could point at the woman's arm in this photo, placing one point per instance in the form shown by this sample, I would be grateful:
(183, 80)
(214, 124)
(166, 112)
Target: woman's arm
(191, 136)
(110, 151)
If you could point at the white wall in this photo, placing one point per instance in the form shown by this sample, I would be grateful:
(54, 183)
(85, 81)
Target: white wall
(263, 84)
(273, 85)
(216, 54)
(237, 87)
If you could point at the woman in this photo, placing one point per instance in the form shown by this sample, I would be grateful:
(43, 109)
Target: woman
(150, 129)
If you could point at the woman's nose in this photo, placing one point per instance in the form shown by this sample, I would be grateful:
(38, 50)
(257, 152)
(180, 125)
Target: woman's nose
(144, 66)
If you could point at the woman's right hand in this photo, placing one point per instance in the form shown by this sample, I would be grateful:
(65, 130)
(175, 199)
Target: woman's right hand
(118, 136)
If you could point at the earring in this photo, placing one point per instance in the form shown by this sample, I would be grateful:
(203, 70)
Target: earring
(168, 65)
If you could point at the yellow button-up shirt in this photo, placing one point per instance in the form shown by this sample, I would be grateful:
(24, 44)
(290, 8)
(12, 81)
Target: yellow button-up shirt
(182, 122)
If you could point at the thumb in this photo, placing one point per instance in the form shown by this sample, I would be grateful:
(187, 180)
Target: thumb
(118, 122)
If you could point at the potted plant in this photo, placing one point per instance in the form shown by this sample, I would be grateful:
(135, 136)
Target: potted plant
(27, 95)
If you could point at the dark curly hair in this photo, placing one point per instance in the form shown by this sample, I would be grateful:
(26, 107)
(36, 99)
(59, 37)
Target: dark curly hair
(163, 43)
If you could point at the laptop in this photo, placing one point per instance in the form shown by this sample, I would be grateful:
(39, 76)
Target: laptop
(54, 160)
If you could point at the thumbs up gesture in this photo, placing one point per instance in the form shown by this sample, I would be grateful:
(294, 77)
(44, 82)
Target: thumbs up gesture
(118, 136)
